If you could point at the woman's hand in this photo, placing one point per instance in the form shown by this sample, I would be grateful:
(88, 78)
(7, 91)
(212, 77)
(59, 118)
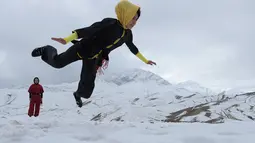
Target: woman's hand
(60, 40)
(151, 62)
(105, 64)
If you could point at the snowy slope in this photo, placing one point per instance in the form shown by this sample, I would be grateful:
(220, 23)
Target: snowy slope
(195, 87)
(135, 75)
(141, 107)
(139, 99)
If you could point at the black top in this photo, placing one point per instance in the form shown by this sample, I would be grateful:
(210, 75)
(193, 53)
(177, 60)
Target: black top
(105, 35)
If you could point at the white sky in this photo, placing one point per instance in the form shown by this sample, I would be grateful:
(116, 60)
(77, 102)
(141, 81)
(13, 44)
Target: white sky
(210, 42)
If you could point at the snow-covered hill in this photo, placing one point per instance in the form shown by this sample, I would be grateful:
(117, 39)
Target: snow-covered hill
(141, 95)
(125, 100)
(135, 75)
(195, 87)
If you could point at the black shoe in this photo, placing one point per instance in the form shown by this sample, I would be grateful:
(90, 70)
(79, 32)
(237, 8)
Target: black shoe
(77, 99)
(37, 52)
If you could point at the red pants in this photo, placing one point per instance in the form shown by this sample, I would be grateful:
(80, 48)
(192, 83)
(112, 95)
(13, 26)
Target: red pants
(34, 106)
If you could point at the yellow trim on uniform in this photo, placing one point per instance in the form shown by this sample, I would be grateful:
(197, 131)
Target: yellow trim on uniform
(79, 55)
(116, 41)
(71, 37)
(95, 56)
(75, 36)
(141, 57)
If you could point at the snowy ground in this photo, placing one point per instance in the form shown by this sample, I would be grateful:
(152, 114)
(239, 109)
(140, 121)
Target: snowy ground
(52, 130)
(130, 113)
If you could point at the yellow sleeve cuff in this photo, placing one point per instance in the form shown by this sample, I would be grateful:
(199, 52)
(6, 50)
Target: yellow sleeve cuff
(71, 37)
(141, 57)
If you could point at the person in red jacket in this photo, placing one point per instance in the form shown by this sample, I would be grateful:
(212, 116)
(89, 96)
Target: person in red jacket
(35, 95)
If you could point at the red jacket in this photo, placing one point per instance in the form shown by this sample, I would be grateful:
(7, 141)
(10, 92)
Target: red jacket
(35, 89)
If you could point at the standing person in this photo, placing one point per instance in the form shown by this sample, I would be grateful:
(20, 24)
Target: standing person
(35, 95)
(97, 41)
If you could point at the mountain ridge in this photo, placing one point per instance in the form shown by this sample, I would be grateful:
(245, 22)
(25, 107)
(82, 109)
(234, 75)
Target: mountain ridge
(134, 75)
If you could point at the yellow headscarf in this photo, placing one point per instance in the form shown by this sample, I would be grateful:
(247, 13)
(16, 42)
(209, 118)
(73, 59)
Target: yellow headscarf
(125, 11)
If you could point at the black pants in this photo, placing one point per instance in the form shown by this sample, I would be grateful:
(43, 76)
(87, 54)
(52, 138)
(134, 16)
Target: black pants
(88, 72)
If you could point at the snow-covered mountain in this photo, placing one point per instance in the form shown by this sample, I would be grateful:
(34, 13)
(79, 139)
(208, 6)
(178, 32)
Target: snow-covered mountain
(195, 87)
(135, 75)
(145, 96)
(124, 99)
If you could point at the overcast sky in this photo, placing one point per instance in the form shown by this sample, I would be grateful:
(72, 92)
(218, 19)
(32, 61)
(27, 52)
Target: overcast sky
(210, 42)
